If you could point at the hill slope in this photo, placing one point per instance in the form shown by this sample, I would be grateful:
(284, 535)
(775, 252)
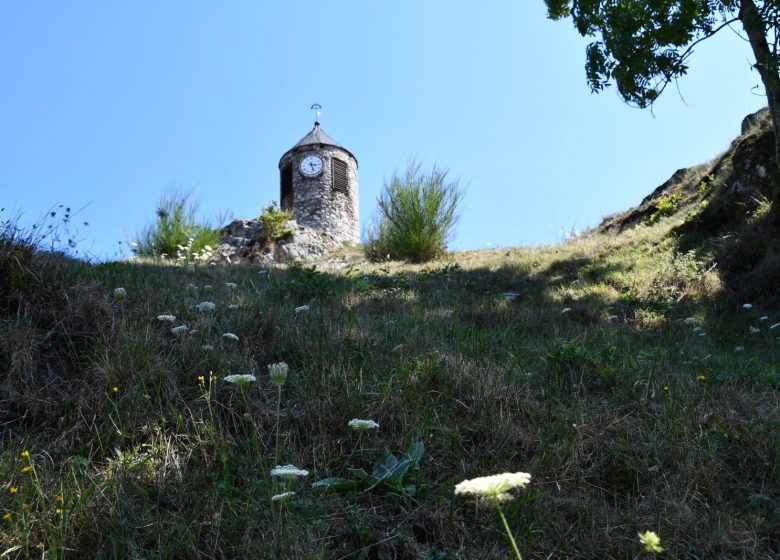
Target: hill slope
(620, 371)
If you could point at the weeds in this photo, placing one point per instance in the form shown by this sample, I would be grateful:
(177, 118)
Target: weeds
(627, 424)
(177, 232)
(417, 215)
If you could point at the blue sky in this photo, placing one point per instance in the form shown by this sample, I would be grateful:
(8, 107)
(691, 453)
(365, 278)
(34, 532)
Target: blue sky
(108, 104)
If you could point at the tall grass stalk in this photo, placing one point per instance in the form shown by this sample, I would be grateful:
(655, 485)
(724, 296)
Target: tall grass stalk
(417, 215)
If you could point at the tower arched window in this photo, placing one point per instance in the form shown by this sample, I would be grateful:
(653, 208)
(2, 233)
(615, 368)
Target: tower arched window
(286, 190)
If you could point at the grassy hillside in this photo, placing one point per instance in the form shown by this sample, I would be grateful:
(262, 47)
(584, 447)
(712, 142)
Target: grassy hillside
(615, 369)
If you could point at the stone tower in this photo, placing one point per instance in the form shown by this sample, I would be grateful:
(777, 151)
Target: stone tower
(319, 185)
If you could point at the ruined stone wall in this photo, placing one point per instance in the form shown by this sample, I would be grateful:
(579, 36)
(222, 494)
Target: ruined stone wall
(314, 203)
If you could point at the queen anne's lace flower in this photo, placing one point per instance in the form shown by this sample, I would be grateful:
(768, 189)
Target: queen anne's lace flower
(495, 500)
(493, 485)
(166, 318)
(747, 306)
(240, 378)
(282, 497)
(278, 373)
(230, 336)
(362, 425)
(120, 294)
(301, 309)
(181, 329)
(689, 321)
(288, 471)
(231, 285)
(206, 306)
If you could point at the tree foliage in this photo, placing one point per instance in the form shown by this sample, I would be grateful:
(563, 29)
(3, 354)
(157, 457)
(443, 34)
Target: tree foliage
(643, 45)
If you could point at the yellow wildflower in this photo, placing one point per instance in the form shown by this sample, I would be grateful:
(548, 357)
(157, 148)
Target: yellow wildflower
(25, 454)
(25, 506)
(201, 379)
(701, 378)
(6, 517)
(116, 390)
(58, 511)
(651, 541)
(26, 469)
(59, 499)
(13, 489)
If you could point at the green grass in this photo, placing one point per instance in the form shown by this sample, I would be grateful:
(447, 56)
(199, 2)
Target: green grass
(417, 216)
(609, 415)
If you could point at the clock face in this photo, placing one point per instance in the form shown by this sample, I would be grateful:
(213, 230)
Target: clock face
(311, 166)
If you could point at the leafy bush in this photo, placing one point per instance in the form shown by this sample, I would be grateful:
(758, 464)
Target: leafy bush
(666, 205)
(176, 230)
(417, 216)
(275, 221)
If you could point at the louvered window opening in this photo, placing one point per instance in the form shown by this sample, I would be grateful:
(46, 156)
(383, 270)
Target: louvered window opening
(286, 194)
(340, 182)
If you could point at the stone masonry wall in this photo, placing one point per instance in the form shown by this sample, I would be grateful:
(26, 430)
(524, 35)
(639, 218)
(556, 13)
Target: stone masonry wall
(315, 205)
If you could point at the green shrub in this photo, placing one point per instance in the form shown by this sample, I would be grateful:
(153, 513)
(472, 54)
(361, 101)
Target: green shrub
(417, 215)
(177, 232)
(666, 205)
(275, 221)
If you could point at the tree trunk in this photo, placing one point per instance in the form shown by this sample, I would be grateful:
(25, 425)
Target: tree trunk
(767, 67)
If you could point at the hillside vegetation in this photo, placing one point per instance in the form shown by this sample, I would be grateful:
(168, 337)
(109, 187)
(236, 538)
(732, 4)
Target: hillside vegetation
(623, 370)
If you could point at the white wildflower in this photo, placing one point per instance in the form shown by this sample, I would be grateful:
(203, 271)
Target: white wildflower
(282, 497)
(689, 321)
(702, 334)
(511, 296)
(262, 272)
(230, 336)
(120, 294)
(763, 318)
(565, 310)
(754, 330)
(232, 306)
(278, 373)
(240, 378)
(208, 347)
(362, 425)
(739, 349)
(181, 329)
(288, 471)
(697, 329)
(773, 327)
(208, 288)
(204, 306)
(493, 485)
(747, 306)
(301, 309)
(231, 285)
(166, 318)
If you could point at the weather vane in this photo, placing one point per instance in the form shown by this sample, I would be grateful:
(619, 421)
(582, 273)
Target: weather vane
(316, 108)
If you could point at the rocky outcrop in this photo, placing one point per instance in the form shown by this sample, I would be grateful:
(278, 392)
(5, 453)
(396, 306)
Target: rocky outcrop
(718, 195)
(245, 241)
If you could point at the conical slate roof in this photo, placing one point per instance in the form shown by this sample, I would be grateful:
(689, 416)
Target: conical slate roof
(318, 136)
